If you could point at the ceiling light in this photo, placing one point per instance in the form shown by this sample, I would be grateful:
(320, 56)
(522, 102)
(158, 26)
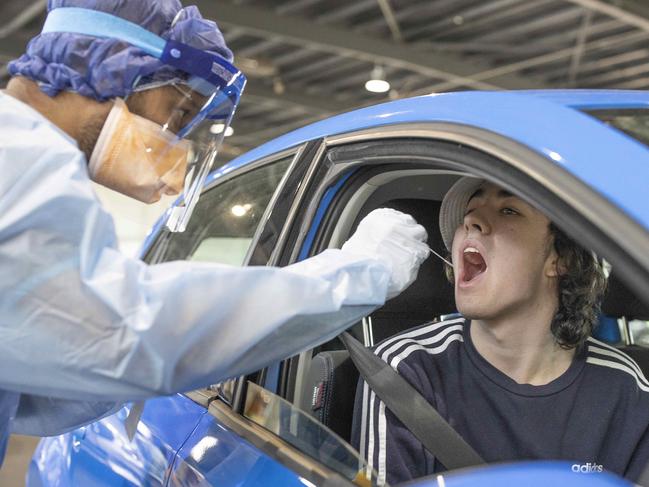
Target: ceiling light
(377, 82)
(228, 132)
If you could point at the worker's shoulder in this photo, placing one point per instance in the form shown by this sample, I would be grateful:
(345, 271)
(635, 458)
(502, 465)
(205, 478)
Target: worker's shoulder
(430, 339)
(23, 125)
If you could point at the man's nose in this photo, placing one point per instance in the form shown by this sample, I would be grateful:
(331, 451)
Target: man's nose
(477, 221)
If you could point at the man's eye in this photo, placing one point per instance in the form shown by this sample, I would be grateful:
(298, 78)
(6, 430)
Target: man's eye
(509, 211)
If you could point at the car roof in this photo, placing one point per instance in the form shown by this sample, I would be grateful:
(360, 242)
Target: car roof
(550, 122)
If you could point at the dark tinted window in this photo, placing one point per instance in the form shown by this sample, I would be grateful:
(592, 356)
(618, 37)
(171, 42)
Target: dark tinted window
(634, 123)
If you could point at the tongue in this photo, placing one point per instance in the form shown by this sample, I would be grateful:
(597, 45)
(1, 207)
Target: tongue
(474, 265)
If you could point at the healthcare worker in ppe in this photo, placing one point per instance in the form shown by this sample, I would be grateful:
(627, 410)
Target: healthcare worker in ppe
(128, 94)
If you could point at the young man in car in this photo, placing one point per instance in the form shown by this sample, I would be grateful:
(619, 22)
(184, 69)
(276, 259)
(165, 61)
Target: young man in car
(517, 375)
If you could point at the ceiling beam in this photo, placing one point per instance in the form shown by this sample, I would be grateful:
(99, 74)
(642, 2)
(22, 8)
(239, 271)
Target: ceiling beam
(496, 73)
(630, 12)
(14, 45)
(391, 20)
(578, 53)
(326, 38)
(28, 13)
(312, 104)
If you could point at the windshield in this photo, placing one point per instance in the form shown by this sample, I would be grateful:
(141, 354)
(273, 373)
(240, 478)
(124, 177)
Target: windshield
(633, 122)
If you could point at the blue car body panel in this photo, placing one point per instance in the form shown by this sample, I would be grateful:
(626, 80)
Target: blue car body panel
(214, 456)
(101, 454)
(178, 441)
(529, 474)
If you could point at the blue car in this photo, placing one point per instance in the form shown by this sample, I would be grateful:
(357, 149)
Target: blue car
(580, 156)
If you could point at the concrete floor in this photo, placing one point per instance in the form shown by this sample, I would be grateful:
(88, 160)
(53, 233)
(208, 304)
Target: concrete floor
(19, 453)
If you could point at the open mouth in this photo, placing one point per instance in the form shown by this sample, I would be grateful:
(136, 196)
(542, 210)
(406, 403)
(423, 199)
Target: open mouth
(474, 264)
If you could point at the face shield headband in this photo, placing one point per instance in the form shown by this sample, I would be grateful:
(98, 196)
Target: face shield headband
(216, 83)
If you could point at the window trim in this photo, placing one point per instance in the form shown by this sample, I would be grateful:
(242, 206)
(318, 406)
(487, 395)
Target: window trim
(296, 156)
(296, 204)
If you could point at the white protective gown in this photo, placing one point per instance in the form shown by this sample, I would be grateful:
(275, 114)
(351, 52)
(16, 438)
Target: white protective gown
(83, 326)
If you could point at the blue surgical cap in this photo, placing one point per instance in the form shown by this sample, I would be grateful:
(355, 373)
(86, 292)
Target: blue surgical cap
(103, 68)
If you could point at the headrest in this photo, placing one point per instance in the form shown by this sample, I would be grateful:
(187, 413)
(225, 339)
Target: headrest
(431, 295)
(619, 301)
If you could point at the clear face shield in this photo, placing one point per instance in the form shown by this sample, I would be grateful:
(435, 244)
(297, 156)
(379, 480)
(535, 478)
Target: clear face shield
(191, 120)
(173, 148)
(205, 133)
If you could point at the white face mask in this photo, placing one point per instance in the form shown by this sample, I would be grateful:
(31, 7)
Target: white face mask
(137, 157)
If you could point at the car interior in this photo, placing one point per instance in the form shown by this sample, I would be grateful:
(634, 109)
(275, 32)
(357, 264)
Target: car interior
(326, 387)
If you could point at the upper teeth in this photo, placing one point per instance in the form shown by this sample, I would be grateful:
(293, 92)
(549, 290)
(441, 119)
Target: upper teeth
(471, 249)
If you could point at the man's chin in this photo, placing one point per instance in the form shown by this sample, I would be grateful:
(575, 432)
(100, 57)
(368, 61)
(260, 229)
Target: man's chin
(475, 311)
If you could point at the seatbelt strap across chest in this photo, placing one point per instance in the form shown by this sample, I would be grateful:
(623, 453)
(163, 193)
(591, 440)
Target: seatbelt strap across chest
(410, 407)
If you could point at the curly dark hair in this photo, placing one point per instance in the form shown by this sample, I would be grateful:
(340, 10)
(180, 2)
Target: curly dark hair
(581, 286)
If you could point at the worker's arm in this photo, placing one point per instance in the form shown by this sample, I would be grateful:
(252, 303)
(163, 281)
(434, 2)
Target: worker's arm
(79, 320)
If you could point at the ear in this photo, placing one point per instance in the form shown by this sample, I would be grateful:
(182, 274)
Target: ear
(554, 266)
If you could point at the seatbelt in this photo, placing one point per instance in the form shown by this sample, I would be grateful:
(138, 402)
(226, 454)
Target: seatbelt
(410, 407)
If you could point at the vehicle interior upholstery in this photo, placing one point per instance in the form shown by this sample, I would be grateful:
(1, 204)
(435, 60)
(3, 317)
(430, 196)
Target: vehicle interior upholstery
(331, 379)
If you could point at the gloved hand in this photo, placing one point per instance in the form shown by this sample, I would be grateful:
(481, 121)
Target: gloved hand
(395, 239)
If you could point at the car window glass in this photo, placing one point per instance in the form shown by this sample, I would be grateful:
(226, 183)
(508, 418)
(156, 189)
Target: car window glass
(304, 433)
(225, 250)
(227, 217)
(634, 123)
